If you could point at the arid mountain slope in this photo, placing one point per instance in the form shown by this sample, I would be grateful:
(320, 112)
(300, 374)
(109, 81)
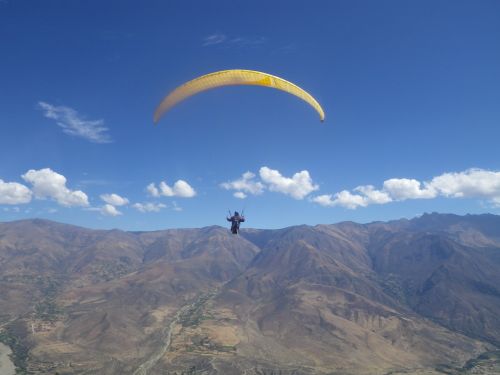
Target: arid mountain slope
(413, 296)
(446, 270)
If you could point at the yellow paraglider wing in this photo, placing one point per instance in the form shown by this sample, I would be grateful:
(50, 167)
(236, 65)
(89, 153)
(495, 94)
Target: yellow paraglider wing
(233, 77)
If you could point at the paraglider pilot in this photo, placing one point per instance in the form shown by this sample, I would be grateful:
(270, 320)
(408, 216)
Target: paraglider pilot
(235, 220)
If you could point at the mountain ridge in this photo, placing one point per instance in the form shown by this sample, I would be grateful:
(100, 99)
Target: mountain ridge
(346, 298)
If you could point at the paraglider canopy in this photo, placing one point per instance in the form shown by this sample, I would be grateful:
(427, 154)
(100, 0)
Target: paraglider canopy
(233, 77)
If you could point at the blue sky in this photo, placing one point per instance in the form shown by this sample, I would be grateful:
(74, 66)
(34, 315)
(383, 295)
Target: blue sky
(410, 89)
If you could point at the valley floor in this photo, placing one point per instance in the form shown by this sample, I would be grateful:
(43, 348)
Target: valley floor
(6, 365)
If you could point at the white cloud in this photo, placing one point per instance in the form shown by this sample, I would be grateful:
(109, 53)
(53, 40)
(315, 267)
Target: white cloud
(325, 200)
(403, 188)
(233, 41)
(471, 183)
(166, 190)
(344, 198)
(49, 184)
(367, 195)
(14, 193)
(153, 190)
(149, 207)
(114, 199)
(245, 184)
(183, 189)
(349, 200)
(298, 187)
(74, 124)
(373, 196)
(180, 189)
(109, 210)
(216, 38)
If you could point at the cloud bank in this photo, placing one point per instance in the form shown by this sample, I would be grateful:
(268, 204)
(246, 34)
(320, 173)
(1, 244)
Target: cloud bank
(298, 186)
(46, 184)
(471, 183)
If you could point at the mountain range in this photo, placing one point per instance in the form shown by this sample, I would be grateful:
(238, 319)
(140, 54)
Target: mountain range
(419, 296)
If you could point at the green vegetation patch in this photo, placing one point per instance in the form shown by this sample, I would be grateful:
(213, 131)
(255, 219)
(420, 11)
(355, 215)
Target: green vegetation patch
(49, 286)
(487, 363)
(395, 287)
(111, 271)
(48, 311)
(202, 343)
(20, 352)
(193, 315)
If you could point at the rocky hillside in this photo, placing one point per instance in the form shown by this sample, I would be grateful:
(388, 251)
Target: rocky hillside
(417, 296)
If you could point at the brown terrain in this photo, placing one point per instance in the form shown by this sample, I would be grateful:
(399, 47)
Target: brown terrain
(418, 296)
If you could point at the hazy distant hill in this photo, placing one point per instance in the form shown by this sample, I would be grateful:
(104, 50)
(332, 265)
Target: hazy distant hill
(417, 296)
